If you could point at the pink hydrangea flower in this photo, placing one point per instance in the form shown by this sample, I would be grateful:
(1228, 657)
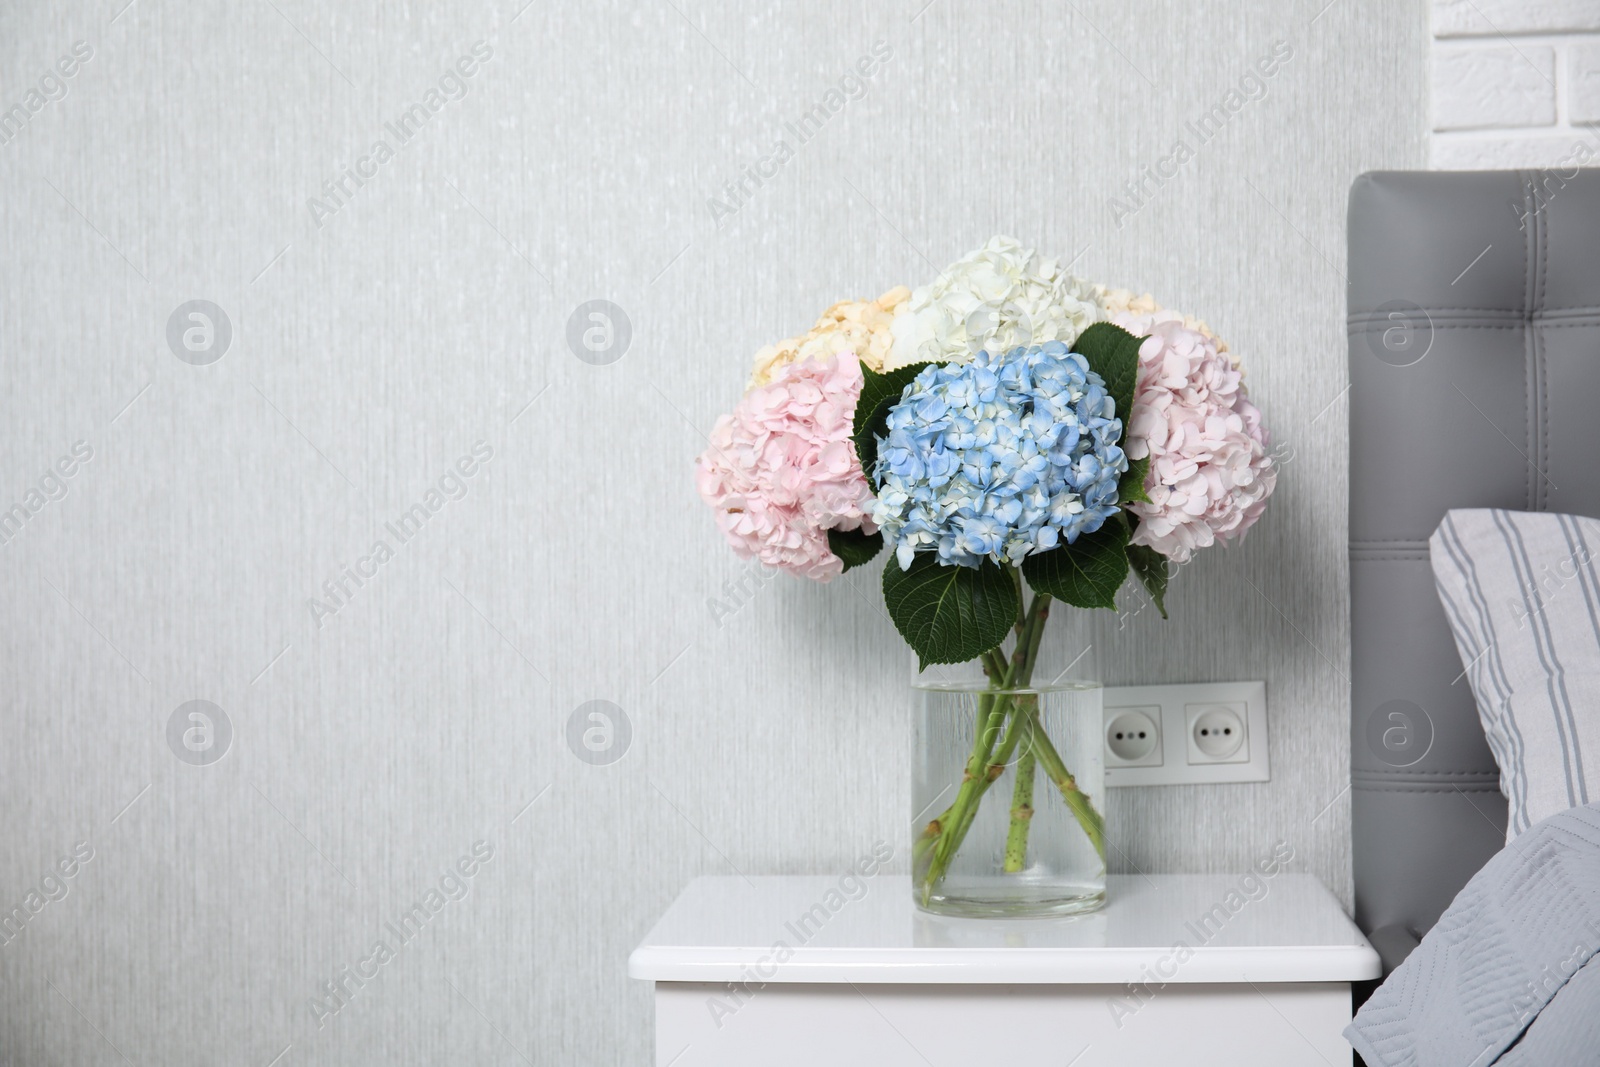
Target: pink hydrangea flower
(782, 471)
(1210, 474)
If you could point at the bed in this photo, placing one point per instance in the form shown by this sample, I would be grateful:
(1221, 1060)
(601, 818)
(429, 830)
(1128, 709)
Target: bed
(1474, 356)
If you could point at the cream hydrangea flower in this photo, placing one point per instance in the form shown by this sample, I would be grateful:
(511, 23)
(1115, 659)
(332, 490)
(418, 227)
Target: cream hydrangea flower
(858, 326)
(995, 299)
(1138, 312)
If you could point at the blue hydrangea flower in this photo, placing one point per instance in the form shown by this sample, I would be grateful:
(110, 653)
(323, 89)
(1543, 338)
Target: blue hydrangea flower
(998, 458)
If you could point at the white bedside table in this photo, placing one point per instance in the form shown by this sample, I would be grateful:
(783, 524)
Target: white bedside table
(1173, 971)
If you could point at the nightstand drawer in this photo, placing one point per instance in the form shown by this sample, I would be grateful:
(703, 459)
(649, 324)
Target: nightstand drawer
(1197, 969)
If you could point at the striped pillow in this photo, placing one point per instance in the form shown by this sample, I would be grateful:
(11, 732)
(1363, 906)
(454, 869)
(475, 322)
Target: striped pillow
(1522, 594)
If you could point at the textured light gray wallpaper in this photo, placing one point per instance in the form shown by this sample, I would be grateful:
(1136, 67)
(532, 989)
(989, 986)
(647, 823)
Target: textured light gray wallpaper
(372, 508)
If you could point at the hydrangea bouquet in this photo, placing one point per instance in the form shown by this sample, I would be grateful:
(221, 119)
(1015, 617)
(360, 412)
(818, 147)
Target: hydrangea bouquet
(1008, 428)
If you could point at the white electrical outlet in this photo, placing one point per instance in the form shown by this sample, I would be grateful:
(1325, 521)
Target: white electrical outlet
(1133, 737)
(1217, 732)
(1186, 734)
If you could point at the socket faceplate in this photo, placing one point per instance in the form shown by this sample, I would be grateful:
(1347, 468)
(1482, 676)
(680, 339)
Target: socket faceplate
(1133, 737)
(1177, 709)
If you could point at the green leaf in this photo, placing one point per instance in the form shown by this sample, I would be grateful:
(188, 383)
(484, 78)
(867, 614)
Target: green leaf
(1086, 573)
(1151, 568)
(866, 441)
(949, 614)
(879, 393)
(876, 388)
(1113, 353)
(1131, 485)
(854, 547)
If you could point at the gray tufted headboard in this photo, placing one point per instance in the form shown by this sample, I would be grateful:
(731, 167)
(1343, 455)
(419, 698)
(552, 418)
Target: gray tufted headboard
(1474, 382)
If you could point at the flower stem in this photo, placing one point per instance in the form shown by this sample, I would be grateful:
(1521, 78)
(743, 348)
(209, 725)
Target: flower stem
(1094, 825)
(994, 667)
(944, 835)
(936, 834)
(1021, 805)
(965, 809)
(1023, 660)
(936, 846)
(1030, 630)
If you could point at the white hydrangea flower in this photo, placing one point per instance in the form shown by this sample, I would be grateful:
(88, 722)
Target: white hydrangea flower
(995, 299)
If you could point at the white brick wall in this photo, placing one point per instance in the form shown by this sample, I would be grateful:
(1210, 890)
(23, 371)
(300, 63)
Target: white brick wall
(1488, 18)
(1476, 87)
(1516, 83)
(1583, 84)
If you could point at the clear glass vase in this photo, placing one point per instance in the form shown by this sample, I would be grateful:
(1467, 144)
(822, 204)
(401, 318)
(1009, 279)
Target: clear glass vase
(1008, 791)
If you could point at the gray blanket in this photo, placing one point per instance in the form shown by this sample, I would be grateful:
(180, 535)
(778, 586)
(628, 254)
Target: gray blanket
(1505, 977)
